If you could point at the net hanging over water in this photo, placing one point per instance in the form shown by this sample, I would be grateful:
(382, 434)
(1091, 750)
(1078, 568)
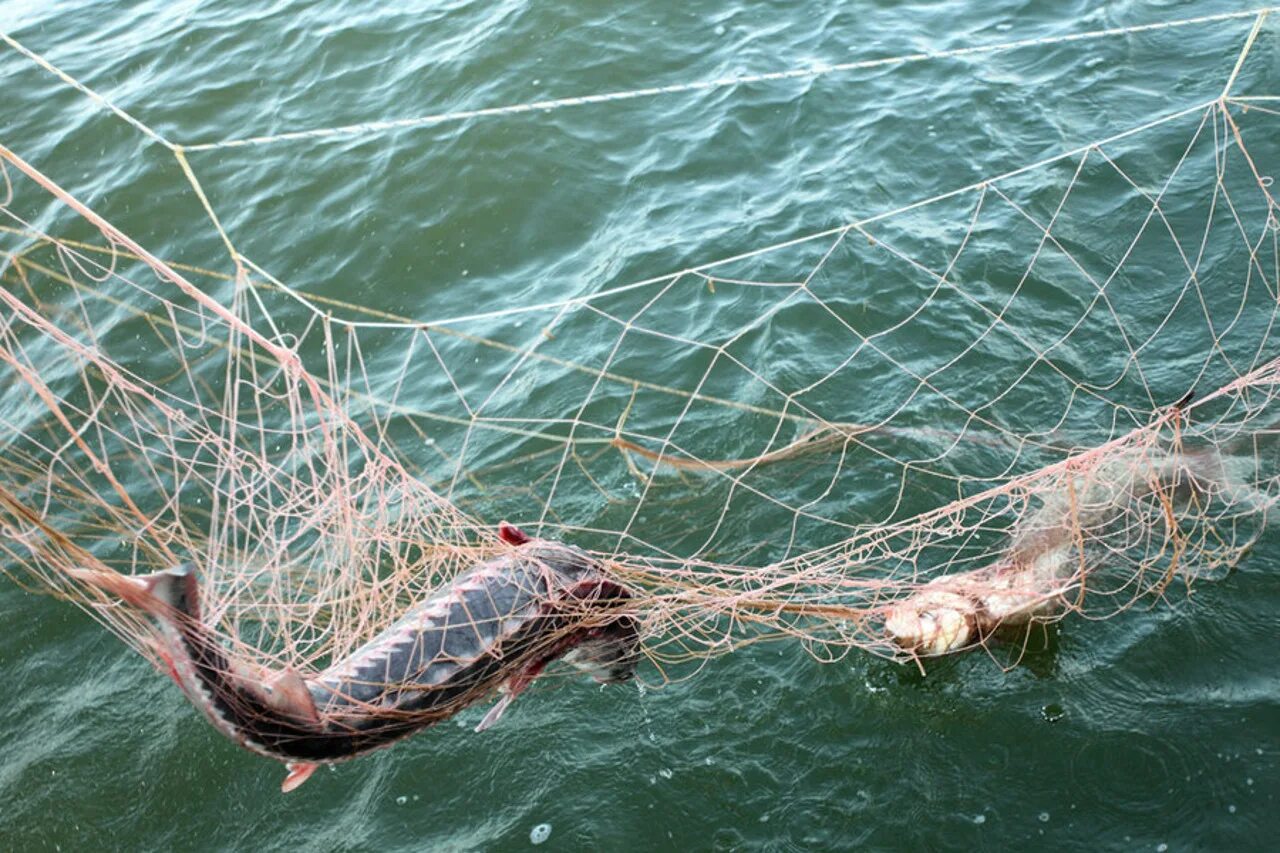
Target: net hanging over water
(1049, 392)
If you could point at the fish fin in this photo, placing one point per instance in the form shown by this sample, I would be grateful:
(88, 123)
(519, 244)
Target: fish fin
(511, 534)
(287, 692)
(495, 713)
(159, 593)
(513, 688)
(282, 690)
(299, 772)
(146, 592)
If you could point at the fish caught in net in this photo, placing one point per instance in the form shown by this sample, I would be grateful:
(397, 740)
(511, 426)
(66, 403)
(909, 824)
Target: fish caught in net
(292, 505)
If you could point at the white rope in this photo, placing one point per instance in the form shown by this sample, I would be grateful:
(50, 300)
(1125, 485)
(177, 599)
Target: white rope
(1248, 46)
(821, 70)
(82, 88)
(374, 127)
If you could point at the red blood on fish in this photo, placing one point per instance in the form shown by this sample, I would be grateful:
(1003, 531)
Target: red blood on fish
(511, 534)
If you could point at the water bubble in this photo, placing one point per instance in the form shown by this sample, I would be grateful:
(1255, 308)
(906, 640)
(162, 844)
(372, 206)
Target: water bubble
(980, 819)
(719, 29)
(665, 773)
(1044, 817)
(401, 800)
(1052, 712)
(1231, 808)
(1161, 847)
(540, 833)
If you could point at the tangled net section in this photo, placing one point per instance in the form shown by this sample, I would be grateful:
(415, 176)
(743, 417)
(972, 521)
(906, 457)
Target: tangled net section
(214, 446)
(1049, 392)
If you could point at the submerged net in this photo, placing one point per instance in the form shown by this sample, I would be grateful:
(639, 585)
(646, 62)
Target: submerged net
(1048, 392)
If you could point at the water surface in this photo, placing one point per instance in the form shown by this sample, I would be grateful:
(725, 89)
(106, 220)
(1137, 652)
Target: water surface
(1157, 728)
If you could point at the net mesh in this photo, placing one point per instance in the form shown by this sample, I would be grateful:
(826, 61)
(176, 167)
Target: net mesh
(1045, 393)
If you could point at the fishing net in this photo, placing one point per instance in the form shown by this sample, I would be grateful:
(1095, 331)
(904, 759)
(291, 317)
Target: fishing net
(1048, 392)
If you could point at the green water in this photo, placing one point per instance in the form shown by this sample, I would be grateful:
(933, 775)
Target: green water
(1161, 727)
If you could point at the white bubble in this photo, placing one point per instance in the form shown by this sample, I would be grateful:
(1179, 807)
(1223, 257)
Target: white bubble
(540, 833)
(1044, 817)
(665, 773)
(1161, 847)
(719, 29)
(980, 819)
(401, 800)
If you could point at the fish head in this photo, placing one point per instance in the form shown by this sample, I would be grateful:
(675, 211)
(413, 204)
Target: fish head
(610, 653)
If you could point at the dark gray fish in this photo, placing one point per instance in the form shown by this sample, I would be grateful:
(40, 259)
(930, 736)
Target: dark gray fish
(496, 626)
